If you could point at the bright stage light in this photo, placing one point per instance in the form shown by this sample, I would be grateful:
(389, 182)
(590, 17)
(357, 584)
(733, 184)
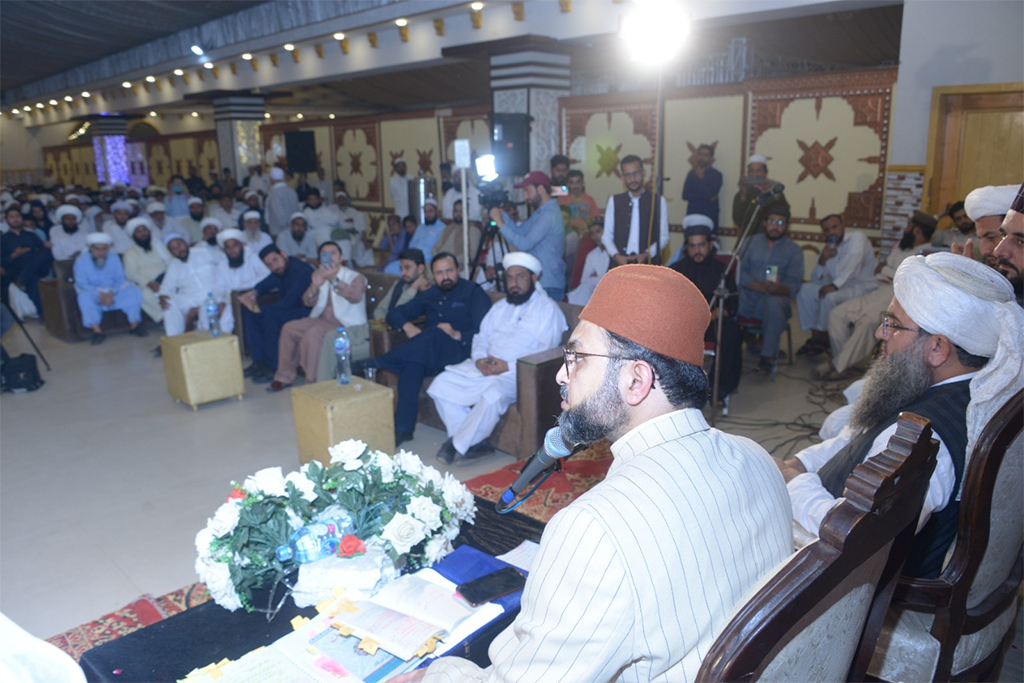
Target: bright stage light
(197, 50)
(655, 31)
(485, 168)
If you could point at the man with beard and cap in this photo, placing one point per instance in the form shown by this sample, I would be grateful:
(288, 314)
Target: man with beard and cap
(412, 281)
(145, 263)
(225, 211)
(254, 236)
(986, 207)
(24, 258)
(752, 186)
(399, 187)
(952, 351)
(239, 271)
(117, 226)
(210, 227)
(282, 202)
(687, 519)
(630, 234)
(453, 310)
(321, 218)
(427, 234)
(351, 226)
(161, 221)
(845, 270)
(702, 185)
(100, 285)
(188, 281)
(700, 267)
(67, 238)
(290, 276)
(190, 223)
(771, 272)
(962, 230)
(338, 297)
(852, 324)
(471, 396)
(297, 240)
(542, 234)
(1009, 253)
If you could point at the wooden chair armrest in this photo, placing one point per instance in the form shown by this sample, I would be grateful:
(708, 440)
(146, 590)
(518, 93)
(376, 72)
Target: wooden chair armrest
(537, 397)
(542, 357)
(922, 594)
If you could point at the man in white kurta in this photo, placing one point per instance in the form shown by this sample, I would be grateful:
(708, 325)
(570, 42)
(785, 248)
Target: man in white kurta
(352, 228)
(634, 579)
(225, 211)
(188, 281)
(255, 238)
(238, 272)
(297, 240)
(68, 237)
(144, 264)
(282, 202)
(471, 396)
(117, 225)
(321, 219)
(398, 185)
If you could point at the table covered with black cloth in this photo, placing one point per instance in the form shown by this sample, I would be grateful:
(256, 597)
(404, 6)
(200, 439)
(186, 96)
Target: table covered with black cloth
(168, 650)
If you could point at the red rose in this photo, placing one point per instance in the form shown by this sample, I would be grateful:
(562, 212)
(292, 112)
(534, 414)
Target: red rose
(236, 494)
(350, 546)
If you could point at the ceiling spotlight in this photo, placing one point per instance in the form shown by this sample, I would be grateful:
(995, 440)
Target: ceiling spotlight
(152, 113)
(298, 116)
(126, 84)
(476, 6)
(85, 94)
(151, 79)
(68, 98)
(195, 114)
(197, 50)
(179, 72)
(53, 102)
(289, 47)
(339, 36)
(208, 65)
(330, 116)
(27, 108)
(247, 56)
(40, 105)
(401, 22)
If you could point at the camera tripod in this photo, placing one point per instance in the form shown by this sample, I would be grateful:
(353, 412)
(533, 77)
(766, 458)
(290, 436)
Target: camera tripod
(490, 232)
(31, 341)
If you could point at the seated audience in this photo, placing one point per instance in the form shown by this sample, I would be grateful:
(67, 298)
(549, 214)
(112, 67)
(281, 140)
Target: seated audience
(473, 395)
(239, 271)
(845, 270)
(189, 280)
(225, 211)
(321, 220)
(255, 237)
(24, 260)
(350, 226)
(297, 240)
(145, 263)
(594, 266)
(1009, 253)
(986, 207)
(196, 214)
(290, 276)
(412, 281)
(634, 579)
(952, 352)
(454, 310)
(752, 186)
(394, 240)
(68, 237)
(700, 267)
(337, 295)
(962, 230)
(101, 286)
(425, 236)
(771, 273)
(116, 226)
(161, 221)
(210, 227)
(451, 237)
(852, 324)
(252, 203)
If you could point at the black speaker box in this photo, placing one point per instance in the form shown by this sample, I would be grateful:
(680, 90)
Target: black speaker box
(510, 143)
(300, 148)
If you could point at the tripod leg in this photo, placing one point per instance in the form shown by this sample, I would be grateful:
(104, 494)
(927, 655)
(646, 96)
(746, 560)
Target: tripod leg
(27, 335)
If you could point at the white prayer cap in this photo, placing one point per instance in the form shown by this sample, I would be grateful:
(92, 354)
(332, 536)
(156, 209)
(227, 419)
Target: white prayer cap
(174, 236)
(195, 200)
(85, 199)
(248, 215)
(6, 196)
(757, 159)
(430, 201)
(210, 221)
(155, 207)
(297, 214)
(340, 193)
(251, 193)
(698, 224)
(399, 160)
(46, 198)
(107, 188)
(276, 173)
(153, 189)
(71, 197)
(524, 259)
(68, 210)
(98, 238)
(992, 200)
(974, 307)
(134, 223)
(132, 202)
(121, 206)
(230, 234)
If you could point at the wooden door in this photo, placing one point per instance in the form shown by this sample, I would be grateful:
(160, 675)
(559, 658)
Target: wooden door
(976, 138)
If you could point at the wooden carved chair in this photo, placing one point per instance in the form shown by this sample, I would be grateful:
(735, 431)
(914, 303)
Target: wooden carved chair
(953, 627)
(816, 616)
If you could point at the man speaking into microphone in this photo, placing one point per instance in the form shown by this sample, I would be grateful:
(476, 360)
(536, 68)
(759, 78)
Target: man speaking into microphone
(633, 579)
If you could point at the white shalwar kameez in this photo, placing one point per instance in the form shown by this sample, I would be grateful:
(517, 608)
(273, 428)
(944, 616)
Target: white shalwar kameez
(186, 284)
(471, 403)
(228, 280)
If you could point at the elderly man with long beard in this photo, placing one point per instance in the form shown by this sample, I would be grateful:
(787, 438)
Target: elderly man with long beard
(145, 263)
(239, 271)
(101, 286)
(952, 348)
(188, 281)
(68, 238)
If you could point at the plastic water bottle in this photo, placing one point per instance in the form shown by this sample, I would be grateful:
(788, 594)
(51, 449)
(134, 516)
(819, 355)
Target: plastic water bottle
(342, 351)
(213, 313)
(315, 541)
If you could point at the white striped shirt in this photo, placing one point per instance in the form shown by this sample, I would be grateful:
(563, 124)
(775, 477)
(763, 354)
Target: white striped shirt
(633, 580)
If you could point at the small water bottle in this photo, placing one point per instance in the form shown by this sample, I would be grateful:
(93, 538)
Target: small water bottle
(342, 351)
(213, 313)
(315, 541)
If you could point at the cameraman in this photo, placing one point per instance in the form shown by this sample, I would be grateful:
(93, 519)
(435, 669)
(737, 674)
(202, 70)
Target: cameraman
(542, 234)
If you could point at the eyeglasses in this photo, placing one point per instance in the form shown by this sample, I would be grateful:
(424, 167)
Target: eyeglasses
(888, 326)
(572, 357)
(777, 221)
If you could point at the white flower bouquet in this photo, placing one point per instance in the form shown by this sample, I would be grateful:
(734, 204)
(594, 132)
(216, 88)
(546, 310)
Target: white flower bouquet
(411, 509)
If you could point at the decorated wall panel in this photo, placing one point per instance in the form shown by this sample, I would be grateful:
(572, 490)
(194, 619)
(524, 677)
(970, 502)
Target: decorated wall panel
(357, 161)
(158, 154)
(83, 165)
(183, 155)
(475, 128)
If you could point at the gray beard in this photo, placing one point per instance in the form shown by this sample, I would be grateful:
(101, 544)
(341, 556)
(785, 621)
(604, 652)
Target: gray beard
(890, 385)
(100, 263)
(600, 415)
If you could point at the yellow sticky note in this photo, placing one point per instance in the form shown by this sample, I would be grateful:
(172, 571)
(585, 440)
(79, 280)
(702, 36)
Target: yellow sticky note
(324, 605)
(312, 650)
(346, 606)
(342, 628)
(427, 648)
(299, 621)
(337, 591)
(369, 646)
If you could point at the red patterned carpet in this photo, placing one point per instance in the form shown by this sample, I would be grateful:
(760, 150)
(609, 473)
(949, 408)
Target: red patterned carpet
(582, 471)
(142, 612)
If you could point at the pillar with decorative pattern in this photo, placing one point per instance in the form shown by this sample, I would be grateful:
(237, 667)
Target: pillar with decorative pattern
(238, 117)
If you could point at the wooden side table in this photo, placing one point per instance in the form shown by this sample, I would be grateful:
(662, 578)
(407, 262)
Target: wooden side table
(201, 368)
(327, 413)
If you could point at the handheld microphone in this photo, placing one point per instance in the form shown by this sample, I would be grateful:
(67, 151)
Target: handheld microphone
(543, 460)
(776, 190)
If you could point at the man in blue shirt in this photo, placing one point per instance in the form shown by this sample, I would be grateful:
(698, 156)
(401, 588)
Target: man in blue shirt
(454, 310)
(703, 182)
(542, 234)
(291, 277)
(771, 272)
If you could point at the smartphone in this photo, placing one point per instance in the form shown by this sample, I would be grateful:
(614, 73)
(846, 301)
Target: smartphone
(492, 586)
(325, 259)
(559, 191)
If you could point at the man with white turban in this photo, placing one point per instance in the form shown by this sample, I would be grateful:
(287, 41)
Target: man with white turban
(67, 238)
(240, 271)
(298, 240)
(255, 238)
(145, 263)
(190, 222)
(161, 221)
(189, 279)
(321, 220)
(987, 207)
(117, 224)
(282, 202)
(471, 396)
(101, 286)
(952, 351)
(209, 228)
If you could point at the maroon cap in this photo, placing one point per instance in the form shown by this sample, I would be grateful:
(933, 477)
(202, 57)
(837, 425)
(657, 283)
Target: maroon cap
(534, 178)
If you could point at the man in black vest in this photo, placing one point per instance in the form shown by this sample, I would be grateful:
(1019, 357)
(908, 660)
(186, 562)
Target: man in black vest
(952, 343)
(630, 236)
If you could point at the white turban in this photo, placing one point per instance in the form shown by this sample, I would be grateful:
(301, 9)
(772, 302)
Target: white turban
(297, 214)
(757, 159)
(230, 234)
(121, 206)
(155, 207)
(210, 221)
(523, 259)
(251, 193)
(68, 210)
(195, 200)
(992, 200)
(134, 223)
(98, 238)
(276, 174)
(174, 236)
(71, 197)
(399, 160)
(974, 307)
(250, 214)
